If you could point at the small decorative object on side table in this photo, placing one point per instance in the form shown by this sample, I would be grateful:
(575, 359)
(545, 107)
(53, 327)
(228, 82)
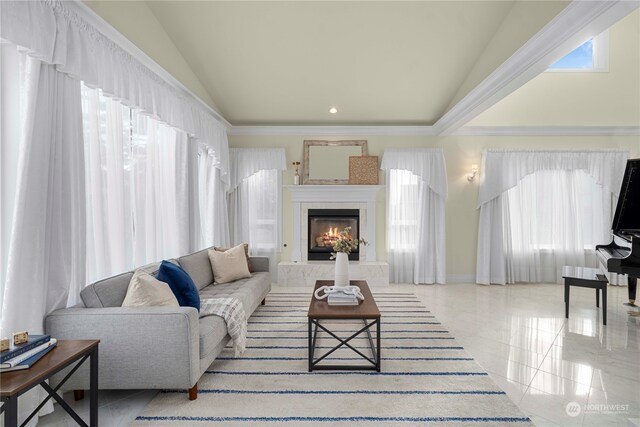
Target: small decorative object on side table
(20, 337)
(66, 353)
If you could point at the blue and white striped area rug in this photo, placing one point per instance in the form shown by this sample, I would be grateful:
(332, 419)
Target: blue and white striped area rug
(426, 379)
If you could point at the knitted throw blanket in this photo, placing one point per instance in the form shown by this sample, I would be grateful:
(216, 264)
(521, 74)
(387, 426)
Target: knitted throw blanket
(232, 311)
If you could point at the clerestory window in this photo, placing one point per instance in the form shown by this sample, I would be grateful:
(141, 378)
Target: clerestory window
(590, 56)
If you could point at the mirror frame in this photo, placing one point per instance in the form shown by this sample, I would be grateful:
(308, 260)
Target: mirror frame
(316, 143)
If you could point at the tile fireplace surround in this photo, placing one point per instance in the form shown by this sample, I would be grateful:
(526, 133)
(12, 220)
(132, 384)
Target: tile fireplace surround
(299, 271)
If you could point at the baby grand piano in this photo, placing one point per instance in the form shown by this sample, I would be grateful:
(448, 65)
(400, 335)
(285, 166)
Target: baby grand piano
(622, 255)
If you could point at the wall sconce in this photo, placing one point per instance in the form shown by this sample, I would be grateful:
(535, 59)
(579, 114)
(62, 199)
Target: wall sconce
(474, 172)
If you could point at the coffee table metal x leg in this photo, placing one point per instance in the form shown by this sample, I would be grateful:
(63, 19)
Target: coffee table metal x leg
(373, 362)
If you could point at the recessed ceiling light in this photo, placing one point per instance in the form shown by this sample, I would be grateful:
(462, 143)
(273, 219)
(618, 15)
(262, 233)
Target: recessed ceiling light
(333, 110)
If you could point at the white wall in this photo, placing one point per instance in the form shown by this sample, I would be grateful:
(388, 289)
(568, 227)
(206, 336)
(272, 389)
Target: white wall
(611, 98)
(583, 98)
(460, 153)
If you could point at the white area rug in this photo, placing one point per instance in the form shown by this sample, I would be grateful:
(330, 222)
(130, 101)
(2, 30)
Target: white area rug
(426, 378)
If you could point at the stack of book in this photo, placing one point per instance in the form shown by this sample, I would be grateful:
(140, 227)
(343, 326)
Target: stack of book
(23, 356)
(342, 298)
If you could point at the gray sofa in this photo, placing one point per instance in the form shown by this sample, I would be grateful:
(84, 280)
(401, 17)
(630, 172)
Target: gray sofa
(154, 347)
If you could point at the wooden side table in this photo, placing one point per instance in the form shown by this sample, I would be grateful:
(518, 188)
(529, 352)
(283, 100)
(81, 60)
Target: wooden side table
(586, 278)
(66, 352)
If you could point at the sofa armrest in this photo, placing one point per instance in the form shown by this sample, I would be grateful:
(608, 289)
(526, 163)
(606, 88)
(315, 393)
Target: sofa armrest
(140, 347)
(259, 263)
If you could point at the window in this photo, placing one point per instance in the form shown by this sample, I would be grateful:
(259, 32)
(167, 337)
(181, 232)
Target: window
(402, 234)
(213, 220)
(264, 202)
(254, 201)
(549, 208)
(136, 175)
(554, 218)
(591, 56)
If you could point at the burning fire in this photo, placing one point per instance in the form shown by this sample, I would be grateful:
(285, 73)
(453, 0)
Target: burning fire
(328, 237)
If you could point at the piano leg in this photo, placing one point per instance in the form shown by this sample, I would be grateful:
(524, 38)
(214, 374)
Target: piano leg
(604, 304)
(633, 283)
(566, 299)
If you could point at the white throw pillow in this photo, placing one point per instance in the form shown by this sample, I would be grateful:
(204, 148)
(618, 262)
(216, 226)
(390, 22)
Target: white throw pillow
(229, 265)
(146, 291)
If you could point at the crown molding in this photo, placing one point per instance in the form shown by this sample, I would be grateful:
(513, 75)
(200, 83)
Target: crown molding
(579, 21)
(548, 131)
(332, 130)
(429, 131)
(118, 38)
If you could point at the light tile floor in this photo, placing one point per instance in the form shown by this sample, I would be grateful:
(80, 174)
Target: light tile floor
(543, 361)
(518, 334)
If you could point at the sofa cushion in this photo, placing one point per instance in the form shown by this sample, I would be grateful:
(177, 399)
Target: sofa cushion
(246, 254)
(180, 283)
(213, 329)
(147, 291)
(151, 268)
(197, 265)
(109, 292)
(249, 291)
(229, 265)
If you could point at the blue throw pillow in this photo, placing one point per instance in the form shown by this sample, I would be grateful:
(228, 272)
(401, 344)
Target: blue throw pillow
(180, 283)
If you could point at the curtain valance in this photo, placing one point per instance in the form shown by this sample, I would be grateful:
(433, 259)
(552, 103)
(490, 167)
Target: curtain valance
(51, 32)
(244, 162)
(503, 169)
(427, 163)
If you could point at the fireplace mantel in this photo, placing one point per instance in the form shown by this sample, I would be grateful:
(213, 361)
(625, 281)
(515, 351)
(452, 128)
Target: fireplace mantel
(333, 193)
(337, 196)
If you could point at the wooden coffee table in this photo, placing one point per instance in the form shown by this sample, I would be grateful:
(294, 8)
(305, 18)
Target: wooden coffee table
(367, 311)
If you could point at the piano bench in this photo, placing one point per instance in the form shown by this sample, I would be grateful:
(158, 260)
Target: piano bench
(586, 278)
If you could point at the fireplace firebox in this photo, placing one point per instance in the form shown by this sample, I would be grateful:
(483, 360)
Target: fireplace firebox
(324, 225)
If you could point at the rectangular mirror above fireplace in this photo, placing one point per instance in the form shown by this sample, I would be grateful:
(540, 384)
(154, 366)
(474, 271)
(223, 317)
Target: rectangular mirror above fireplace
(327, 162)
(324, 225)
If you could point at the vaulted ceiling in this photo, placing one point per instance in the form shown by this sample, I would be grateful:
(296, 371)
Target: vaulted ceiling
(380, 62)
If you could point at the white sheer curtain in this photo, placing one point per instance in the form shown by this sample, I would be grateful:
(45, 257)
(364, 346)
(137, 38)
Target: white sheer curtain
(45, 267)
(109, 192)
(53, 32)
(554, 218)
(542, 210)
(255, 200)
(138, 198)
(159, 168)
(416, 194)
(403, 192)
(255, 211)
(11, 108)
(43, 248)
(214, 220)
